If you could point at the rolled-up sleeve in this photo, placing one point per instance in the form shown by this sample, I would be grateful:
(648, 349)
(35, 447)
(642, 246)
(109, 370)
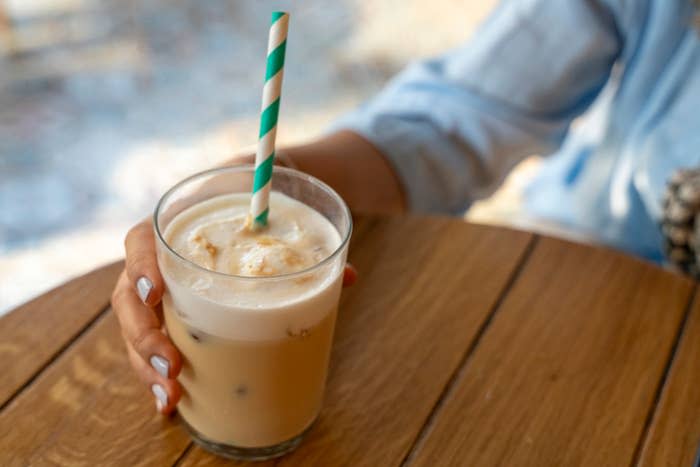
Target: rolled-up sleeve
(453, 126)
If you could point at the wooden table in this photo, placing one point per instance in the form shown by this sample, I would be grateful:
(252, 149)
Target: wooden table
(460, 345)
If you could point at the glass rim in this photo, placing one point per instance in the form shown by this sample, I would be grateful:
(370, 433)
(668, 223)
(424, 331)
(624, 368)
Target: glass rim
(244, 168)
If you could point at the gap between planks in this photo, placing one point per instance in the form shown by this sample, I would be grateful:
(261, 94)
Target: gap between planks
(183, 455)
(56, 355)
(461, 368)
(644, 435)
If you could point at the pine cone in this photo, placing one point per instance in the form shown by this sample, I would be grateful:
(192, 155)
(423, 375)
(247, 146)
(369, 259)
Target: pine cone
(681, 224)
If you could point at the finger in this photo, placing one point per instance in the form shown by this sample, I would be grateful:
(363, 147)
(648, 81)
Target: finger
(141, 329)
(166, 392)
(349, 275)
(141, 263)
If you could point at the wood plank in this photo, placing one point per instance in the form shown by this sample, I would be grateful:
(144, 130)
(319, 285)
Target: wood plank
(675, 430)
(426, 287)
(567, 372)
(89, 409)
(25, 346)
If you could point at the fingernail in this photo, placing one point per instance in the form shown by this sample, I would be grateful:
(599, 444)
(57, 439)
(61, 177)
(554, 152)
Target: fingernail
(161, 396)
(144, 287)
(161, 365)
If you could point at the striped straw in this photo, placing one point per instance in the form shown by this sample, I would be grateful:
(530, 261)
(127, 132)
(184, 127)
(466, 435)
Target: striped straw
(264, 157)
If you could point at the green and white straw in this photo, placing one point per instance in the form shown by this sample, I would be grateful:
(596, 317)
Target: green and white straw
(264, 157)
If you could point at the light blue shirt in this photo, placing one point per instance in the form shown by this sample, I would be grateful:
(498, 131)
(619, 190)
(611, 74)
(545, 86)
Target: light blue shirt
(453, 126)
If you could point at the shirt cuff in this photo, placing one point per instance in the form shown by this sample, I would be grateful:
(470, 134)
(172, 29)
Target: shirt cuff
(411, 147)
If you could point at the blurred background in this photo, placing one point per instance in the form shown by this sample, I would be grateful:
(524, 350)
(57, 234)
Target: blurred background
(104, 104)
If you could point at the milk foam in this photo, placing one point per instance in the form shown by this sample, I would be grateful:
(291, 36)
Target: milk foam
(262, 306)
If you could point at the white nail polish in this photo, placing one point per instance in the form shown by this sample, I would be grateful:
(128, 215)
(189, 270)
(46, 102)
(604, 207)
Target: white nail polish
(144, 287)
(161, 365)
(161, 396)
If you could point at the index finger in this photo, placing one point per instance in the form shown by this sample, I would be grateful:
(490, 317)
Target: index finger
(142, 265)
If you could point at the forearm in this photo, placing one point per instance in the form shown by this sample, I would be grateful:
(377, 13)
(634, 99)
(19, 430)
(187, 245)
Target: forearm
(354, 168)
(351, 165)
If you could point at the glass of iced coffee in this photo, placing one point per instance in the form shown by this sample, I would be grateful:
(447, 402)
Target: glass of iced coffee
(252, 312)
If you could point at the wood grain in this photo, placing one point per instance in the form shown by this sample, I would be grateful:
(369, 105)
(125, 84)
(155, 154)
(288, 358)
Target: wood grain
(675, 431)
(568, 370)
(35, 332)
(426, 286)
(89, 409)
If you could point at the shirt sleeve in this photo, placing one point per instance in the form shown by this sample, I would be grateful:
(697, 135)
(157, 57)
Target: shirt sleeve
(453, 126)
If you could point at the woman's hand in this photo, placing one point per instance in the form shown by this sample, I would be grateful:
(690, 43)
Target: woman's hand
(136, 301)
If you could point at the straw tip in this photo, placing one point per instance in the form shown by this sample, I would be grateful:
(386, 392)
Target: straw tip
(278, 14)
(257, 227)
(256, 224)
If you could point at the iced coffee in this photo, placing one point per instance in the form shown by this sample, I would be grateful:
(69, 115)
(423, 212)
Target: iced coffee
(253, 313)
